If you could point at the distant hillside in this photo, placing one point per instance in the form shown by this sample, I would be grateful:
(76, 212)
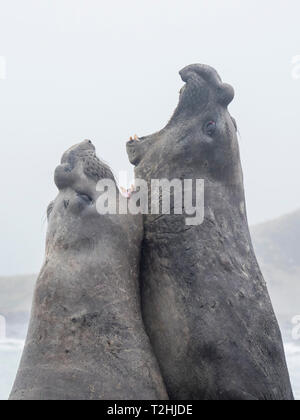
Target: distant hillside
(277, 245)
(278, 242)
(16, 294)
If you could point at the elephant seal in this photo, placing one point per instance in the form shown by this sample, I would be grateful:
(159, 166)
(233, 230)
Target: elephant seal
(205, 303)
(86, 338)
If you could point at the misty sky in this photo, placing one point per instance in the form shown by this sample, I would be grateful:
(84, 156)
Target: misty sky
(105, 70)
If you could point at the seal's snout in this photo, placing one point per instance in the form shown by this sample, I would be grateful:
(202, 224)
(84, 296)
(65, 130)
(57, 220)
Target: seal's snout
(77, 151)
(88, 144)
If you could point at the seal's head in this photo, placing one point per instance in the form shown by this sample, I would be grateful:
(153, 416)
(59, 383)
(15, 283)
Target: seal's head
(73, 217)
(201, 136)
(81, 160)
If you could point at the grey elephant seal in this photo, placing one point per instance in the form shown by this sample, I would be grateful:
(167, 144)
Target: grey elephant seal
(205, 303)
(86, 338)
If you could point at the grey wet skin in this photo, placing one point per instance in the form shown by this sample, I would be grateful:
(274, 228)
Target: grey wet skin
(205, 303)
(86, 338)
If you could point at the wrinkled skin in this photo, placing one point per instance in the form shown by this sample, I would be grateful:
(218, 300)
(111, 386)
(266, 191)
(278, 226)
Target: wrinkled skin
(86, 338)
(205, 303)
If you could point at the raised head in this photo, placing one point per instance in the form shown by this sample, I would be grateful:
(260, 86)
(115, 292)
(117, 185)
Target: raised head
(201, 136)
(73, 217)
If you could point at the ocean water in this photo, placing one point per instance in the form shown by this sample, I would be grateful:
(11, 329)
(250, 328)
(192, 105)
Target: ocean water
(11, 351)
(10, 355)
(292, 351)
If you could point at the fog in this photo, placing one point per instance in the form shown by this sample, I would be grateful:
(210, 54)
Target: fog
(77, 69)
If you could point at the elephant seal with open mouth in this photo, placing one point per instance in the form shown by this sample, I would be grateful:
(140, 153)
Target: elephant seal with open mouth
(86, 338)
(205, 303)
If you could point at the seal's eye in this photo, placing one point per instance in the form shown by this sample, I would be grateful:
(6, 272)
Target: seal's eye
(210, 128)
(86, 198)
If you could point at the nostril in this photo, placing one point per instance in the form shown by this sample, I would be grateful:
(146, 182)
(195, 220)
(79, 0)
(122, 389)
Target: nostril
(66, 203)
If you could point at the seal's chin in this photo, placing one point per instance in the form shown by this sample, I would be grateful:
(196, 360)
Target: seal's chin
(136, 150)
(133, 152)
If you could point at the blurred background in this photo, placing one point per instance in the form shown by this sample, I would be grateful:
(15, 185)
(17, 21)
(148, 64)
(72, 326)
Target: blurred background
(77, 69)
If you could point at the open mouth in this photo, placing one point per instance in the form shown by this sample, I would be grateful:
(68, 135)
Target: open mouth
(134, 140)
(85, 197)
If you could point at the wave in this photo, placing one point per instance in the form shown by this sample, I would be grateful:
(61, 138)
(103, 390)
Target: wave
(292, 349)
(11, 344)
